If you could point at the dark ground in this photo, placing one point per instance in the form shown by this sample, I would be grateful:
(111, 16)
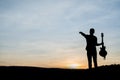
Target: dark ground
(110, 72)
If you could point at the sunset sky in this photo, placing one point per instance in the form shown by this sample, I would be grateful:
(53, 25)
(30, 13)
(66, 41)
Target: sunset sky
(45, 33)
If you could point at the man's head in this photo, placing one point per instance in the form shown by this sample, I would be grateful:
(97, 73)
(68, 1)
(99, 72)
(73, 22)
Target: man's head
(92, 31)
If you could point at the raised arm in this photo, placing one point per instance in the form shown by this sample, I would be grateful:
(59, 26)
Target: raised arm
(83, 34)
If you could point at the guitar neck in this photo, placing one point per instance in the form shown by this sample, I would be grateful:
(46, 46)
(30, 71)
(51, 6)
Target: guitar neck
(102, 35)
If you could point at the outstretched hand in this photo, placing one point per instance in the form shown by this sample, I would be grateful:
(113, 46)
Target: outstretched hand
(80, 32)
(102, 43)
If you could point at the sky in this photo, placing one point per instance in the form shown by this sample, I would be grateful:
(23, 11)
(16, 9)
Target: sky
(45, 33)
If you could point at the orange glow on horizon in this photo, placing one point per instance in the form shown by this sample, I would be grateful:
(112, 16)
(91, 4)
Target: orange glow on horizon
(75, 66)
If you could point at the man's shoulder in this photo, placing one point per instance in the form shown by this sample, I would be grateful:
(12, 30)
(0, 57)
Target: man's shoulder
(94, 36)
(86, 35)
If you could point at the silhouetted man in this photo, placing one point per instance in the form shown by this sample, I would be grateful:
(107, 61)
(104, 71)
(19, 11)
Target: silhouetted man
(91, 47)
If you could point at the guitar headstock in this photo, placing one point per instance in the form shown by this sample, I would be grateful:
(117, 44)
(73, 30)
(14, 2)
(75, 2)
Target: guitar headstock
(102, 35)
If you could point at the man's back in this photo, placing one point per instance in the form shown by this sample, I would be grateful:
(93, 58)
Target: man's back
(91, 42)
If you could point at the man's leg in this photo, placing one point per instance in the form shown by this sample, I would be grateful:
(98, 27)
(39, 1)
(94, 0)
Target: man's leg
(95, 60)
(89, 60)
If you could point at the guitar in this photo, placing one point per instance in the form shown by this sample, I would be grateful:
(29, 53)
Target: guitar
(103, 52)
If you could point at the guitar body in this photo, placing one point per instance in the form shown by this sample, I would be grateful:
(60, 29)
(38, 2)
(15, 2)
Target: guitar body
(103, 52)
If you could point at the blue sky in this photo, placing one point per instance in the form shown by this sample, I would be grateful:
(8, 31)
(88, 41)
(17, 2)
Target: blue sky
(45, 32)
